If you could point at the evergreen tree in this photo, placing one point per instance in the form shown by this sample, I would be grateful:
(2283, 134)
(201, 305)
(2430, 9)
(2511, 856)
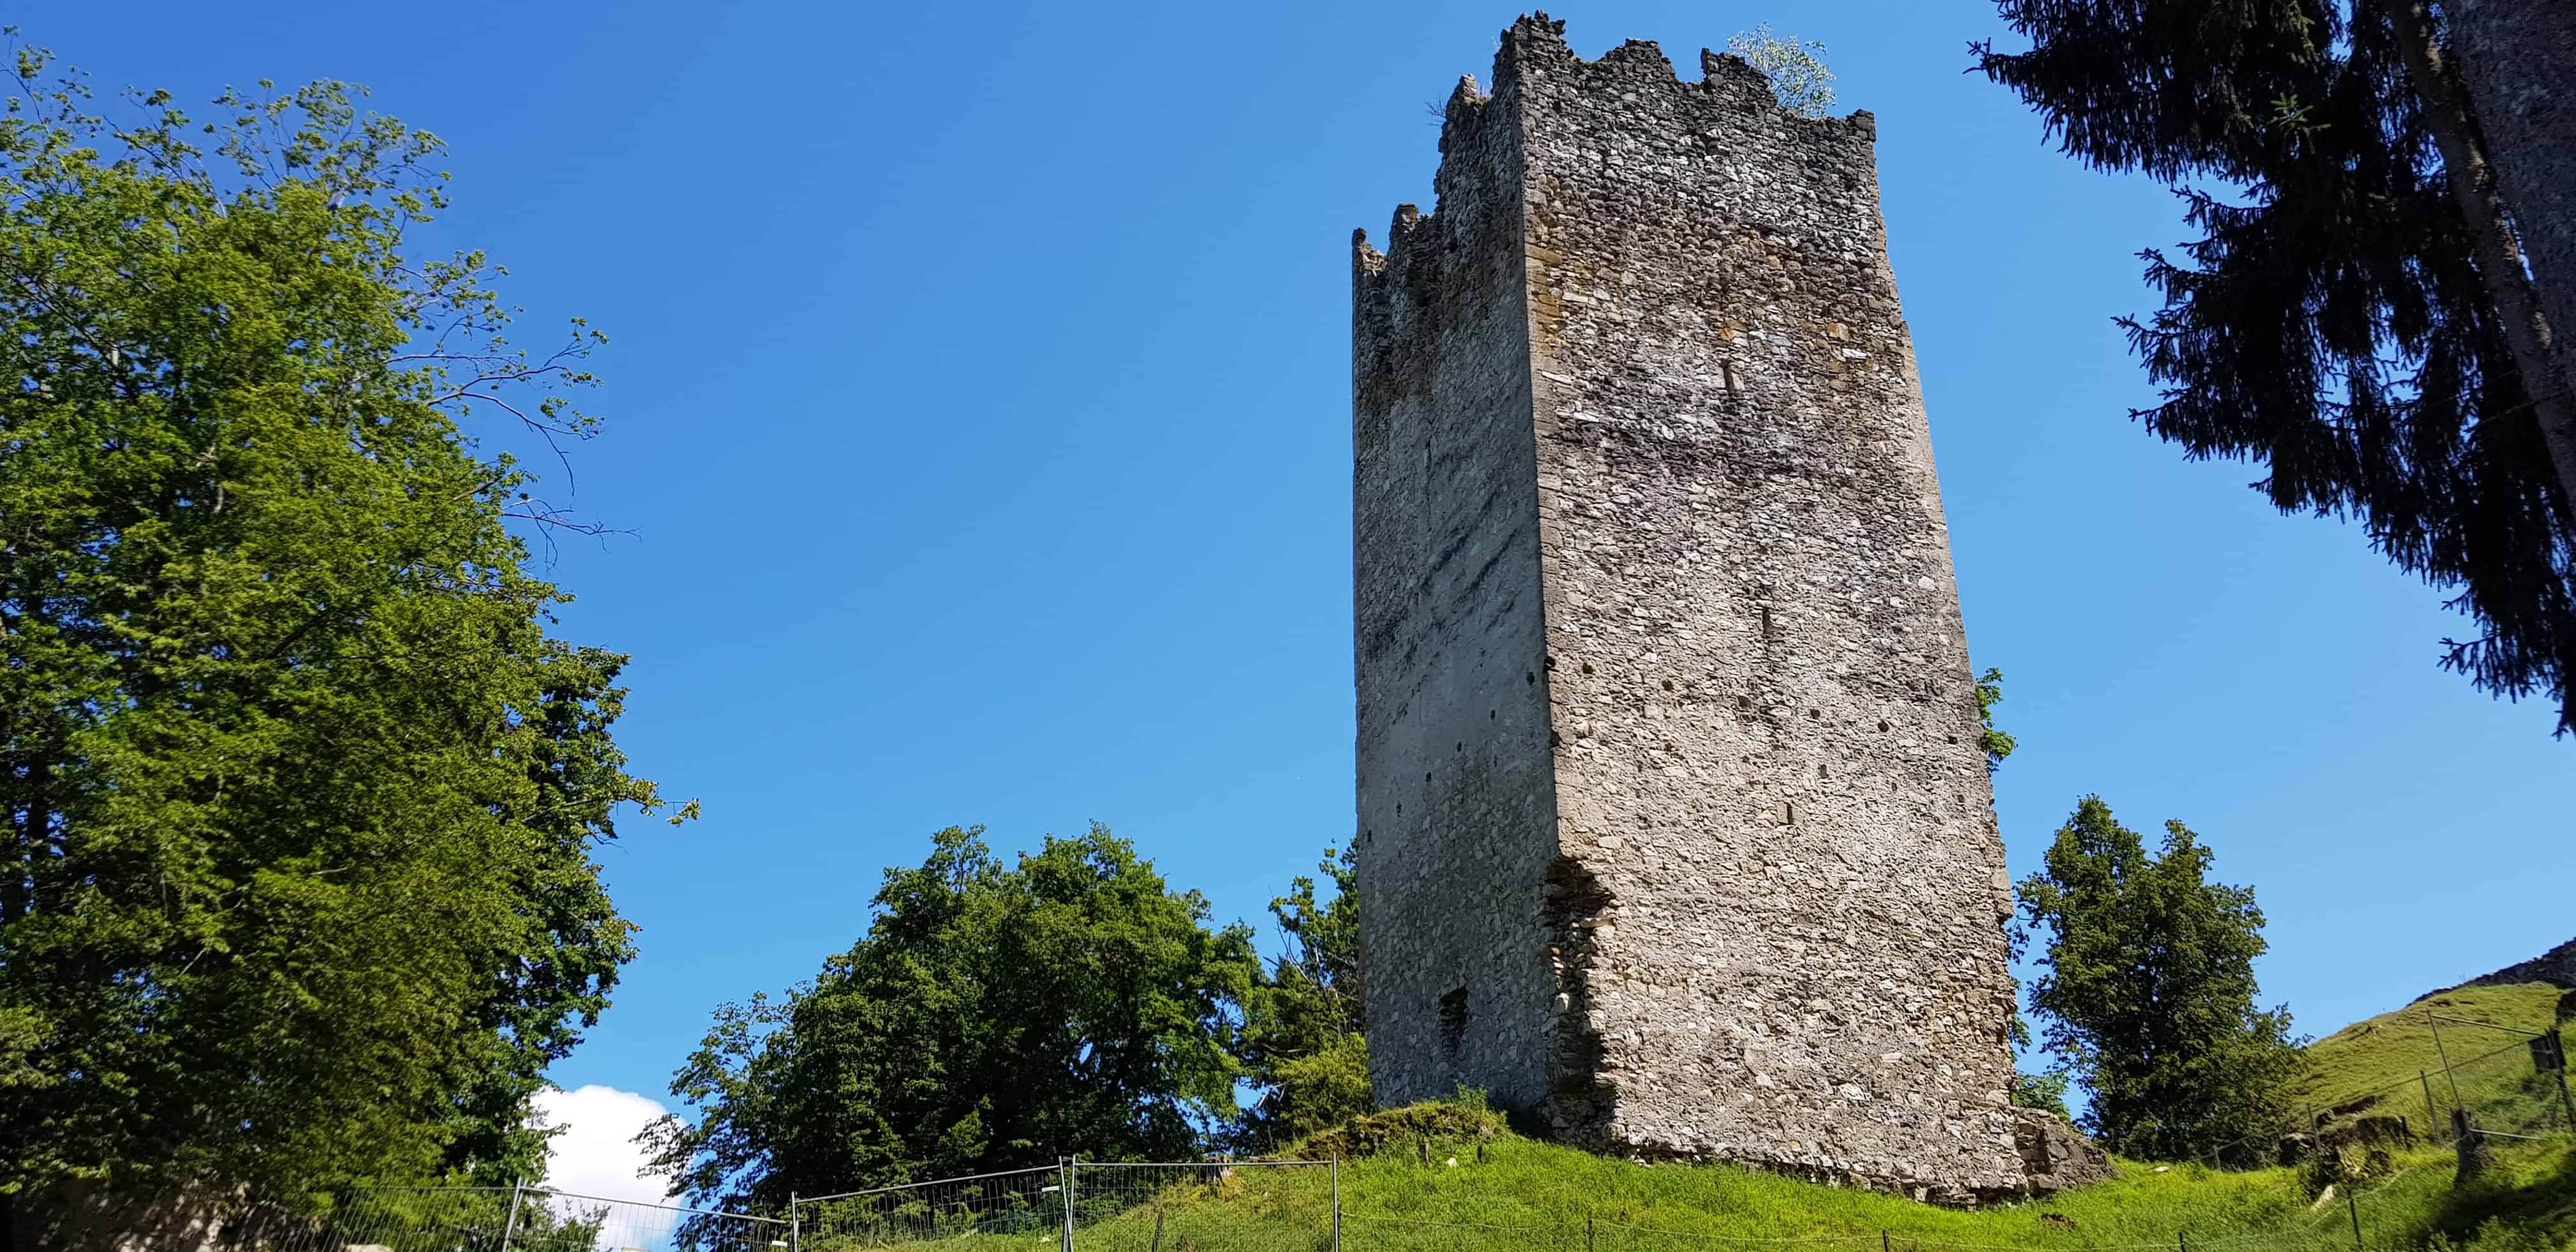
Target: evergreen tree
(2354, 312)
(297, 793)
(1303, 1042)
(2149, 992)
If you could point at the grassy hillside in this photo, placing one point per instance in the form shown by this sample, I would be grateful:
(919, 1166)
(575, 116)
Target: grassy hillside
(1453, 1180)
(1525, 1191)
(2381, 1066)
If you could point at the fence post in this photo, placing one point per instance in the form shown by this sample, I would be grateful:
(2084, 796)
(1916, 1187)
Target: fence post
(2432, 1123)
(795, 1230)
(511, 1229)
(1068, 1167)
(2566, 1102)
(1337, 1202)
(2352, 1204)
(2445, 1054)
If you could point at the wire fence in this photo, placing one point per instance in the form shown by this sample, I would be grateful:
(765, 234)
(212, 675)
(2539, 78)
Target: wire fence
(2489, 1080)
(2493, 1084)
(1021, 1202)
(1089, 1206)
(1216, 1206)
(495, 1219)
(1211, 1206)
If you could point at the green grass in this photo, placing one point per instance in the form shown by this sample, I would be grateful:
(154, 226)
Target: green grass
(1401, 1191)
(2382, 1066)
(1519, 1194)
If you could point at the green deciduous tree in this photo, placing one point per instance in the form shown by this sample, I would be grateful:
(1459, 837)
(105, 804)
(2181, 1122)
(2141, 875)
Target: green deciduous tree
(2149, 991)
(1304, 1047)
(299, 794)
(2353, 311)
(1997, 743)
(2047, 1091)
(994, 1015)
(1795, 67)
(2044, 1092)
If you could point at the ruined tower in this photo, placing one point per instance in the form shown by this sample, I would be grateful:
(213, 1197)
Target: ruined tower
(1675, 831)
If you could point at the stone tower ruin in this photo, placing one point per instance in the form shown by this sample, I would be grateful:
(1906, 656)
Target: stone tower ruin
(1675, 830)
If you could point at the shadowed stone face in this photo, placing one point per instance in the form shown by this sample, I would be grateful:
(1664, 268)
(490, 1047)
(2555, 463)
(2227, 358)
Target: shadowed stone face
(1674, 827)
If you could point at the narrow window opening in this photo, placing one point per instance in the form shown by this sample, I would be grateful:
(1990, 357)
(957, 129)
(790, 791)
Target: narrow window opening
(1453, 1022)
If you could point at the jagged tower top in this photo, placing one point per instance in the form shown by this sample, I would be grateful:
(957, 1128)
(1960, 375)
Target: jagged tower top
(1534, 46)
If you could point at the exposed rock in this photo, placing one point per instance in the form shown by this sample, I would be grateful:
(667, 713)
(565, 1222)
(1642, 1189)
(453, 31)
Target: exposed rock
(2054, 1156)
(2474, 1153)
(2372, 1132)
(2296, 1147)
(2556, 967)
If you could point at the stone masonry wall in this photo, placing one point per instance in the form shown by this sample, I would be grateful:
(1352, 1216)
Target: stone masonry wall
(1720, 876)
(1457, 814)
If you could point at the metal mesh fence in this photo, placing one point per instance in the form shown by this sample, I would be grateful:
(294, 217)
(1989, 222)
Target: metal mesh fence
(1216, 1206)
(496, 1219)
(399, 1219)
(558, 1221)
(1023, 1203)
(1210, 1206)
(2500, 1081)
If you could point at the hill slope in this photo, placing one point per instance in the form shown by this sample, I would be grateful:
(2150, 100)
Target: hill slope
(2392, 1065)
(1435, 1183)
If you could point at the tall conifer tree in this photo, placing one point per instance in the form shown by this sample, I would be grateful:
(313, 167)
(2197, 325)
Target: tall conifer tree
(2353, 311)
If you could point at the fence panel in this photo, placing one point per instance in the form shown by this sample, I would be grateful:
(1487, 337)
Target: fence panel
(2510, 1083)
(1022, 1204)
(560, 1221)
(1206, 1206)
(497, 1219)
(398, 1219)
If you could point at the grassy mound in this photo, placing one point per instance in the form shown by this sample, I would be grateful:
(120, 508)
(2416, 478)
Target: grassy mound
(1451, 1177)
(1447, 1178)
(1442, 1177)
(2386, 1065)
(1515, 1191)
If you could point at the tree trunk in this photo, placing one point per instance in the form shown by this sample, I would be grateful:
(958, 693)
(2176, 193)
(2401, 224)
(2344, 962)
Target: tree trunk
(2514, 59)
(2499, 254)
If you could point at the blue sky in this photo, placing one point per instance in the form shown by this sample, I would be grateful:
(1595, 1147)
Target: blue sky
(979, 405)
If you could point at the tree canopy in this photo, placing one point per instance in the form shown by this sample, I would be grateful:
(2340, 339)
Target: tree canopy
(1796, 68)
(2148, 990)
(2352, 311)
(300, 791)
(994, 1015)
(1304, 1047)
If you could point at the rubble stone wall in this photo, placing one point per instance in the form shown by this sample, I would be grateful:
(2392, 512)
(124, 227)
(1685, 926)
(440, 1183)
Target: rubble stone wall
(1675, 828)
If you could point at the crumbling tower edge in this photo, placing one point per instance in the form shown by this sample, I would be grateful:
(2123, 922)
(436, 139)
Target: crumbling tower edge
(1675, 825)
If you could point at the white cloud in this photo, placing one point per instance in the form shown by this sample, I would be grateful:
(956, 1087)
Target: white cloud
(596, 1155)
